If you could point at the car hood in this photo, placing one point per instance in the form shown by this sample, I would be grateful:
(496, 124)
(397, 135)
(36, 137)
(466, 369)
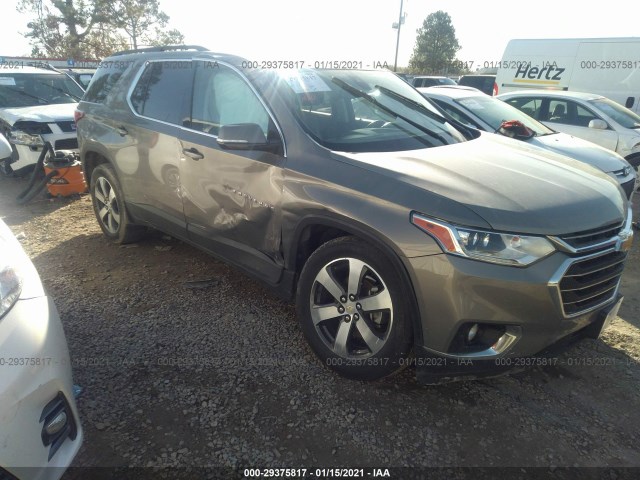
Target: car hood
(595, 155)
(511, 185)
(40, 113)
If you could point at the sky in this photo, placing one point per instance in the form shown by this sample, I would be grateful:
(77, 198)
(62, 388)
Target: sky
(361, 30)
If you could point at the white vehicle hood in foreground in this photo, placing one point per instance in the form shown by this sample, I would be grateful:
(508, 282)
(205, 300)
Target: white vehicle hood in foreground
(40, 113)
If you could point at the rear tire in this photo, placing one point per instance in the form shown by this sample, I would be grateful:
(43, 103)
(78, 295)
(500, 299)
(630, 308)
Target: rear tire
(109, 206)
(352, 311)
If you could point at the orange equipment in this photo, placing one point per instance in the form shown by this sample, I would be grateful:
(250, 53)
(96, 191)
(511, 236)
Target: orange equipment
(69, 179)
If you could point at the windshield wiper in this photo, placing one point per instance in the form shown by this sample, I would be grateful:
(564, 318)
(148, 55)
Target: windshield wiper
(410, 103)
(68, 94)
(359, 93)
(429, 113)
(31, 96)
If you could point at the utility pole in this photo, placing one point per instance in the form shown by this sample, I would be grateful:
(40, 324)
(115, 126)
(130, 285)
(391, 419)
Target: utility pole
(400, 22)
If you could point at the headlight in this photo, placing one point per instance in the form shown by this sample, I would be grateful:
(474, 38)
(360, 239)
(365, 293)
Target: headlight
(10, 279)
(502, 248)
(23, 138)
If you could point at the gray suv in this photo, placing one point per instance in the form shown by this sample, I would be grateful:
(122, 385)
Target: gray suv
(404, 238)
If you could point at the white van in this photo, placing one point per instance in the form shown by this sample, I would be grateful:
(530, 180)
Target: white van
(606, 66)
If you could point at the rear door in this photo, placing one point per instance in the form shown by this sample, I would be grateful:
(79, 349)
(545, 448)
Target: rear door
(150, 147)
(232, 198)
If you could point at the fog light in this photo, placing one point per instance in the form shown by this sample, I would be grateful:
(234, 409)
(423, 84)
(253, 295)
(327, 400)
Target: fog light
(473, 331)
(57, 424)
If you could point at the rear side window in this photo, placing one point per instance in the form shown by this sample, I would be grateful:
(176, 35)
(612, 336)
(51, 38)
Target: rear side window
(103, 82)
(163, 91)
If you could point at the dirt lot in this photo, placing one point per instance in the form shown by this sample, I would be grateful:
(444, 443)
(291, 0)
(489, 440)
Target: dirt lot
(220, 375)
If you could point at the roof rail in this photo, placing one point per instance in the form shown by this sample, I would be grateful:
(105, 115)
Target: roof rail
(163, 48)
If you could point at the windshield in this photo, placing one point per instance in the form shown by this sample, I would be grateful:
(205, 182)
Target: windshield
(494, 112)
(364, 111)
(617, 112)
(29, 90)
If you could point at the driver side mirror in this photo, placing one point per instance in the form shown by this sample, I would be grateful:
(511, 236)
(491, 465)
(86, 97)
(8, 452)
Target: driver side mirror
(598, 124)
(245, 136)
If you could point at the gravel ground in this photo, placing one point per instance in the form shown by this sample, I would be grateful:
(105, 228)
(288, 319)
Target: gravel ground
(185, 362)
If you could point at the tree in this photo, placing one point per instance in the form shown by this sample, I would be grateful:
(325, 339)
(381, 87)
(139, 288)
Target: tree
(436, 45)
(59, 27)
(142, 20)
(84, 29)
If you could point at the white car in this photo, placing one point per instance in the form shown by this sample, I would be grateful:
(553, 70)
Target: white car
(40, 430)
(36, 105)
(472, 107)
(584, 115)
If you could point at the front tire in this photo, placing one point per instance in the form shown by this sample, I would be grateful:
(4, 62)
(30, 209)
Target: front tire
(352, 311)
(109, 206)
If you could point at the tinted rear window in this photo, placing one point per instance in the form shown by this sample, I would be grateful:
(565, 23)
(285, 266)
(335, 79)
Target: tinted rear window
(163, 92)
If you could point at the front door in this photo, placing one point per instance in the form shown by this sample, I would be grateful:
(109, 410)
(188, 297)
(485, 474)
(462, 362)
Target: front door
(232, 198)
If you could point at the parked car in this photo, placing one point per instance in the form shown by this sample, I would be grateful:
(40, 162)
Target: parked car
(40, 431)
(392, 229)
(602, 66)
(429, 81)
(484, 83)
(474, 108)
(587, 116)
(36, 106)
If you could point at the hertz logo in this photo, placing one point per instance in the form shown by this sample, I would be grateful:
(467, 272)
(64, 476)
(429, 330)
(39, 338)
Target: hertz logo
(548, 75)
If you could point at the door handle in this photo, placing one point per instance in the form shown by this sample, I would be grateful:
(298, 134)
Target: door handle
(122, 131)
(192, 153)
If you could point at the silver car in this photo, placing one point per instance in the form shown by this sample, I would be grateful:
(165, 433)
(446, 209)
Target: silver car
(586, 115)
(474, 108)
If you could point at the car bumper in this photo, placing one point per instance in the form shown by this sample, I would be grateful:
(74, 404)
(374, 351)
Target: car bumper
(35, 370)
(524, 307)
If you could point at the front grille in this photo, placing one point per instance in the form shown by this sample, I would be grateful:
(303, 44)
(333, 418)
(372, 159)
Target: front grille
(69, 126)
(628, 188)
(66, 144)
(588, 238)
(591, 282)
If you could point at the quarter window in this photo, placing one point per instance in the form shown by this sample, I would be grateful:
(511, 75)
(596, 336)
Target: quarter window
(103, 82)
(163, 91)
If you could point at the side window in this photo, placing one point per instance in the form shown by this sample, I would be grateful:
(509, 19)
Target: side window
(103, 82)
(163, 91)
(583, 116)
(222, 97)
(528, 105)
(559, 111)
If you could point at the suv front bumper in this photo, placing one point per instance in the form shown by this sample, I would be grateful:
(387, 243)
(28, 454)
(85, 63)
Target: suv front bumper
(525, 303)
